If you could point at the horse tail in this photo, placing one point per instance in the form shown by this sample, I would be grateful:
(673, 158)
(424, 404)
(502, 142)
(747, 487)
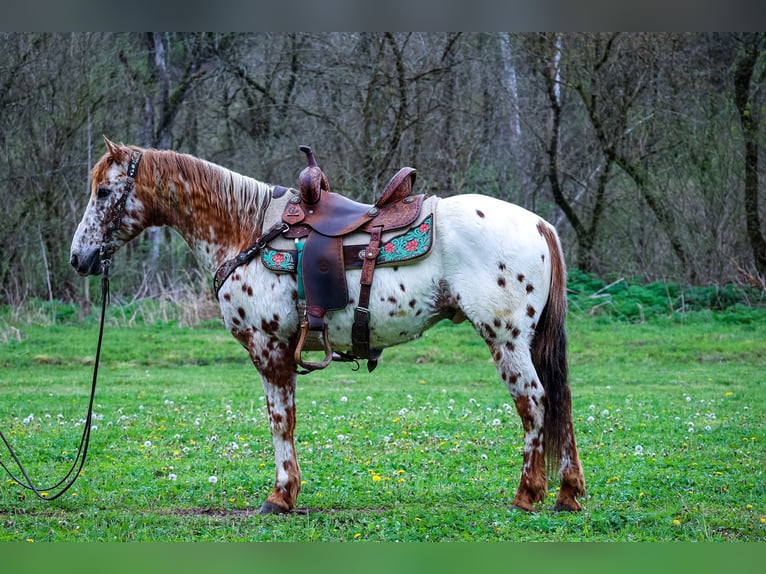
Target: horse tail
(549, 355)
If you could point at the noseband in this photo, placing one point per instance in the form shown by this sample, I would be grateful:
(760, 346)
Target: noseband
(118, 210)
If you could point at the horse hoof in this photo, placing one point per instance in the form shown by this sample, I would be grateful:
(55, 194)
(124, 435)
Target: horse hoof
(270, 508)
(522, 508)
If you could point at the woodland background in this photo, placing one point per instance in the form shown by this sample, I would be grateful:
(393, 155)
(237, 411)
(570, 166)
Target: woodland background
(644, 149)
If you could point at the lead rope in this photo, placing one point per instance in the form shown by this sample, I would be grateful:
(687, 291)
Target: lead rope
(82, 450)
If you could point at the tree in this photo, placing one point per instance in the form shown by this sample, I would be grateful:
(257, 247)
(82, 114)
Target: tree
(748, 75)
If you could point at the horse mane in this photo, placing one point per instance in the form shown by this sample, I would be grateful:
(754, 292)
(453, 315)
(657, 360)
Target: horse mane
(233, 203)
(212, 185)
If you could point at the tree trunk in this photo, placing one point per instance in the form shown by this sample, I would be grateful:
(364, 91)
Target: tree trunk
(744, 70)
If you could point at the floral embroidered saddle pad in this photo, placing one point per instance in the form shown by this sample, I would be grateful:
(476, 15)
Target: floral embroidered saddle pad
(397, 247)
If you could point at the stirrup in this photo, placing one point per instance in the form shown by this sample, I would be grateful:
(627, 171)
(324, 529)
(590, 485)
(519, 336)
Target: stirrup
(310, 366)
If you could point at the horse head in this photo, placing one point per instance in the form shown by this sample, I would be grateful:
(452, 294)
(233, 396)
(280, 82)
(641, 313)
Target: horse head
(114, 214)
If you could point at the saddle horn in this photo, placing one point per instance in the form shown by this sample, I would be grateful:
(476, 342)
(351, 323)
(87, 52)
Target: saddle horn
(312, 179)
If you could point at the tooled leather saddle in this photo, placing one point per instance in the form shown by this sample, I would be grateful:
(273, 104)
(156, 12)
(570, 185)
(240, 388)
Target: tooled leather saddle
(321, 218)
(318, 220)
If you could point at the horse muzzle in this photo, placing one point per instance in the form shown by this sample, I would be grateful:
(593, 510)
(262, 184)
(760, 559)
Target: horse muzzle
(88, 264)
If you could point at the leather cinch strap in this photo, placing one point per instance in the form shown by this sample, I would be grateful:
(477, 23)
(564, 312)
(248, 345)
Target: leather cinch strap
(360, 330)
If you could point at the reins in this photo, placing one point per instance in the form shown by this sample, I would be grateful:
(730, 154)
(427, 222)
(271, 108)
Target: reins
(82, 450)
(105, 254)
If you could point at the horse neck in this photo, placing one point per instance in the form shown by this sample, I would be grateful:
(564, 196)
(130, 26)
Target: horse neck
(217, 211)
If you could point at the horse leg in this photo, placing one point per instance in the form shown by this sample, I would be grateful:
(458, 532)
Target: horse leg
(279, 389)
(570, 471)
(276, 365)
(515, 368)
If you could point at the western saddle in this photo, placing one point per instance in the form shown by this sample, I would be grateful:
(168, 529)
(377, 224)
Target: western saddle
(321, 219)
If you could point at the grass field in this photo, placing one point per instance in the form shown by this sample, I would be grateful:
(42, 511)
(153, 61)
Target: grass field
(669, 420)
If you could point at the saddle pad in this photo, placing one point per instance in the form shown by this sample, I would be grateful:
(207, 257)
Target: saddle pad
(405, 247)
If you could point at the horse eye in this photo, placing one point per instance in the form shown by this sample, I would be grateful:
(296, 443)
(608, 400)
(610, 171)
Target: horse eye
(103, 192)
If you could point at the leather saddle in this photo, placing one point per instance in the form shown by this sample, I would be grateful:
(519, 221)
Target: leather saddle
(321, 219)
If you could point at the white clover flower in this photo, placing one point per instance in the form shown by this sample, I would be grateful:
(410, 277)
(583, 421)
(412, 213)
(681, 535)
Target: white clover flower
(605, 413)
(639, 450)
(28, 419)
(344, 399)
(590, 419)
(496, 422)
(213, 479)
(148, 444)
(172, 477)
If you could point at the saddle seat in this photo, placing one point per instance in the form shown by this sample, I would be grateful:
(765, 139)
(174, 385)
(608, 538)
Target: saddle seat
(336, 215)
(322, 218)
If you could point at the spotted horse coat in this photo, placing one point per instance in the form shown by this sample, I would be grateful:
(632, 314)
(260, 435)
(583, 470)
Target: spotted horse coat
(493, 263)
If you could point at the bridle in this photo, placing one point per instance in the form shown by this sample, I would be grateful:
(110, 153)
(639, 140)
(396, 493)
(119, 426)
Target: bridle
(105, 253)
(118, 210)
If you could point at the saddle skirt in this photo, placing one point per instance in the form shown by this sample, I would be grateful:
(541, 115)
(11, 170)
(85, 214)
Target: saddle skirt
(398, 246)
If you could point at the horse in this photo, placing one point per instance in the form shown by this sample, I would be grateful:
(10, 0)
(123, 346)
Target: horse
(493, 263)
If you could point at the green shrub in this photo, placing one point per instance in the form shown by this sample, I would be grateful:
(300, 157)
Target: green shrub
(626, 300)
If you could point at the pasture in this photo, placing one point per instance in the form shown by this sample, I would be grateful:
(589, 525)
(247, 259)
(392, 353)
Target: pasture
(669, 419)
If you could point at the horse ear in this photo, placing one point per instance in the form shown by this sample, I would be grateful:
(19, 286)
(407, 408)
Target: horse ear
(113, 149)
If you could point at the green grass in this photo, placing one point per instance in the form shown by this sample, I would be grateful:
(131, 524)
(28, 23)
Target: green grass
(669, 418)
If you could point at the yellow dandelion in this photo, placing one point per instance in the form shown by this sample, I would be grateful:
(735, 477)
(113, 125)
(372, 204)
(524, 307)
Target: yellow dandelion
(357, 535)
(676, 522)
(376, 478)
(763, 519)
(749, 506)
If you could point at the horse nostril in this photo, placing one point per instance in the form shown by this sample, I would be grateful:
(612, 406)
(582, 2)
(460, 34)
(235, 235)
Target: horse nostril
(73, 260)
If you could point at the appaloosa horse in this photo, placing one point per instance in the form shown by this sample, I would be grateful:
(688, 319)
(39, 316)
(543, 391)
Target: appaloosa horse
(491, 262)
